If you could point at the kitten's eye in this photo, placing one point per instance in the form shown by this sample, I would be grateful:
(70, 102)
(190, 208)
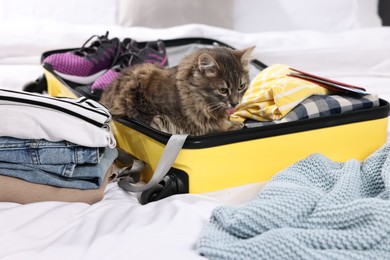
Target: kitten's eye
(242, 87)
(223, 90)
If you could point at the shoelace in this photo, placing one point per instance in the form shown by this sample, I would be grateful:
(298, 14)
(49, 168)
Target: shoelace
(127, 47)
(94, 46)
(132, 56)
(127, 59)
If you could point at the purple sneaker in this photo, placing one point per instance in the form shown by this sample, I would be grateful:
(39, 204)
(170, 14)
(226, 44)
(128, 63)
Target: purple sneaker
(153, 52)
(86, 64)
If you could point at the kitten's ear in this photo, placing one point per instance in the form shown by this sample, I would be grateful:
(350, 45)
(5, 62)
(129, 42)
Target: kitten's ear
(207, 65)
(246, 54)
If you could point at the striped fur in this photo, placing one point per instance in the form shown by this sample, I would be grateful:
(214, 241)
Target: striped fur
(193, 97)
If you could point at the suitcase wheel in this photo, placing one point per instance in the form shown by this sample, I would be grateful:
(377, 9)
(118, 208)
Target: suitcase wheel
(152, 194)
(37, 86)
(171, 184)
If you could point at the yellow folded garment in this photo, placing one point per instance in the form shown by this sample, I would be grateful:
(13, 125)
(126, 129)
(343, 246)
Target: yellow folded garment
(272, 94)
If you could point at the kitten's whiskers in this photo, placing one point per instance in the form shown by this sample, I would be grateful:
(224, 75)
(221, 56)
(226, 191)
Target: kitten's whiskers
(217, 106)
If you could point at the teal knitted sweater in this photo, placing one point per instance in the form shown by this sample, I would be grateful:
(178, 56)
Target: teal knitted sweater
(314, 209)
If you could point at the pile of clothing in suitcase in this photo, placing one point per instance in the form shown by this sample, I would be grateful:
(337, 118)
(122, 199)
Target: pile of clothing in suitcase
(280, 94)
(53, 148)
(277, 94)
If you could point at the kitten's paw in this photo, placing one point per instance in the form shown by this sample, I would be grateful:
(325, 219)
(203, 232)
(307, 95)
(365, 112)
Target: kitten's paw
(236, 125)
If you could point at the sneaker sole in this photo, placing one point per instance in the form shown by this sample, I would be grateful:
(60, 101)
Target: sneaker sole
(81, 79)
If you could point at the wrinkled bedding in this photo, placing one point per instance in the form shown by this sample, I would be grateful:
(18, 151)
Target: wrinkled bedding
(118, 227)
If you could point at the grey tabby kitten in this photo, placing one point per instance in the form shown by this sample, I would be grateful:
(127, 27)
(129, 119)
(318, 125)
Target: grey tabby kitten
(195, 97)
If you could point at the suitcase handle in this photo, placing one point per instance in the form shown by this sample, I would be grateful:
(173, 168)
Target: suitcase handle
(168, 157)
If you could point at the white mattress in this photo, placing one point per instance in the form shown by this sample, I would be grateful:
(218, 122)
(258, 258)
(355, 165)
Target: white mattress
(118, 227)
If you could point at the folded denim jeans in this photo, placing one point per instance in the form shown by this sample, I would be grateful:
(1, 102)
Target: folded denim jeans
(66, 170)
(83, 176)
(43, 152)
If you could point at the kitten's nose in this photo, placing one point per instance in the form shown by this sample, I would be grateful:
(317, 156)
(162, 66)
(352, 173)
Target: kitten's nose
(234, 101)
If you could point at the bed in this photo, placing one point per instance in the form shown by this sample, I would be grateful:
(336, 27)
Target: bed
(348, 47)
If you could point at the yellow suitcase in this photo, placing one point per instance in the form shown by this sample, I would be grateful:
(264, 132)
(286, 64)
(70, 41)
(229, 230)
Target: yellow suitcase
(222, 160)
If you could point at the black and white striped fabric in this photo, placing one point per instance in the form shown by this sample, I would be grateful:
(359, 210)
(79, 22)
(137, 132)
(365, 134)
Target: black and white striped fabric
(323, 105)
(80, 121)
(83, 108)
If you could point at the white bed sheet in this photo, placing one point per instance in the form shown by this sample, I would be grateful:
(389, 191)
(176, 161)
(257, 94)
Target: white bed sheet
(118, 227)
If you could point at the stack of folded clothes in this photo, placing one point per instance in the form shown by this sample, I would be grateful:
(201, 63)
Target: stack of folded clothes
(53, 148)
